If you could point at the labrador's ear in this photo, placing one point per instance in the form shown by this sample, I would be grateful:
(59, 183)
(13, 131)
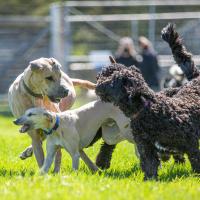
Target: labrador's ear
(49, 117)
(35, 65)
(112, 60)
(55, 63)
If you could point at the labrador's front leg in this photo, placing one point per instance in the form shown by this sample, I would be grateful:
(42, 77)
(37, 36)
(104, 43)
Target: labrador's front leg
(51, 151)
(37, 146)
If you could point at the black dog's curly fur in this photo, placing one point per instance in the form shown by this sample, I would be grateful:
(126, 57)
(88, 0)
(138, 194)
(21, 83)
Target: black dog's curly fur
(184, 60)
(159, 121)
(182, 57)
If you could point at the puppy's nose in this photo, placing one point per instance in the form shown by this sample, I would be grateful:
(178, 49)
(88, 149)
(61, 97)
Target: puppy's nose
(16, 122)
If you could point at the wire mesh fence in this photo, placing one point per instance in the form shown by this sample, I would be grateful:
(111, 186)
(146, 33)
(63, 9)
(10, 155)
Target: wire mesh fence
(77, 33)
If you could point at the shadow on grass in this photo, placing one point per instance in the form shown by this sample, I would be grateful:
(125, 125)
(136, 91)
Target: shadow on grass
(13, 173)
(133, 173)
(172, 173)
(176, 173)
(169, 174)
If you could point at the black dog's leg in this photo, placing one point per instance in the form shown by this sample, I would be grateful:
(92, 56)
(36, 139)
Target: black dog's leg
(179, 158)
(105, 155)
(194, 157)
(164, 156)
(149, 160)
(96, 138)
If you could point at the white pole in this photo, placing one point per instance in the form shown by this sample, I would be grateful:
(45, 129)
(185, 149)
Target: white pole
(134, 31)
(57, 47)
(152, 25)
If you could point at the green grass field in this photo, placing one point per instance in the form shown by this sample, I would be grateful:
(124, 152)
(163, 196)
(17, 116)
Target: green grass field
(124, 180)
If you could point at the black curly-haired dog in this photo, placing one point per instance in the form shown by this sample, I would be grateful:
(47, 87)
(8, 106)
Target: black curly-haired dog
(185, 61)
(159, 122)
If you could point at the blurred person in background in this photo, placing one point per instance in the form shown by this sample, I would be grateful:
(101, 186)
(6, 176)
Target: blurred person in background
(126, 53)
(149, 63)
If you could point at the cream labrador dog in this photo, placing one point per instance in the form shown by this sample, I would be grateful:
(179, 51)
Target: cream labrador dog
(75, 129)
(42, 80)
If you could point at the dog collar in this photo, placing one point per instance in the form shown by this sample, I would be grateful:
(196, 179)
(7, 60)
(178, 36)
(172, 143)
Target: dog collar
(147, 105)
(50, 131)
(31, 92)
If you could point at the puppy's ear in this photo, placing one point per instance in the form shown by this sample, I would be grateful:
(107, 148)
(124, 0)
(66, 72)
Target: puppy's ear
(49, 117)
(35, 65)
(112, 60)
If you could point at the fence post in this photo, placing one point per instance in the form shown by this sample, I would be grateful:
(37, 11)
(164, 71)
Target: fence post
(134, 30)
(152, 25)
(57, 26)
(68, 39)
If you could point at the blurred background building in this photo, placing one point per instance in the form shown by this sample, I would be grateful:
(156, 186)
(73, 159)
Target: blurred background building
(81, 34)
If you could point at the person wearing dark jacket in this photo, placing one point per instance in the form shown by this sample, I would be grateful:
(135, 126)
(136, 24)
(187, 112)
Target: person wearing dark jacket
(149, 65)
(126, 53)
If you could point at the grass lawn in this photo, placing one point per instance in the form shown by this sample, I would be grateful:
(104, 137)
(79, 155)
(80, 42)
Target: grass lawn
(124, 180)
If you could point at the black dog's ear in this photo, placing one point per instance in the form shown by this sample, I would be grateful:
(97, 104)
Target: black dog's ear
(112, 60)
(35, 65)
(146, 102)
(49, 117)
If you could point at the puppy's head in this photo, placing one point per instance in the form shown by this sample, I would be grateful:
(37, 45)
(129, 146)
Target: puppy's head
(125, 87)
(47, 78)
(34, 118)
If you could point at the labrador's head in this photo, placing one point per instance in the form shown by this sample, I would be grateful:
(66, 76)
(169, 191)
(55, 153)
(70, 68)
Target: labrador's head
(47, 79)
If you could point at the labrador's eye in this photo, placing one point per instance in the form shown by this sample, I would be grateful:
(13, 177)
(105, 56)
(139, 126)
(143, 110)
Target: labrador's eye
(53, 61)
(50, 78)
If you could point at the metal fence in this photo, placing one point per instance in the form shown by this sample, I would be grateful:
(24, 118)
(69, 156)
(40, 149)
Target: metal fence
(77, 31)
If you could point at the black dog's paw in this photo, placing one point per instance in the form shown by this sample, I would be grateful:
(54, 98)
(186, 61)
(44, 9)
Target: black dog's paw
(151, 178)
(179, 159)
(102, 161)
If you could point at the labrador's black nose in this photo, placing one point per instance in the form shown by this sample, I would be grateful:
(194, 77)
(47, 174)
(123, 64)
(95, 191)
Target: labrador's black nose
(64, 92)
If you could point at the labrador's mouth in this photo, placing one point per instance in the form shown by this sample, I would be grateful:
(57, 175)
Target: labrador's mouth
(55, 100)
(24, 128)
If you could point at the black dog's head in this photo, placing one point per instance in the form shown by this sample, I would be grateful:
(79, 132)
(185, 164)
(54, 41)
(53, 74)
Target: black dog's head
(125, 87)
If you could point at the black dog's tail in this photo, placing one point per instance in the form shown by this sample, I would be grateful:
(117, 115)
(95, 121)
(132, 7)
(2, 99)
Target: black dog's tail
(182, 57)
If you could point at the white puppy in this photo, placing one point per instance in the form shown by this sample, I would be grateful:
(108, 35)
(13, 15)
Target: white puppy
(75, 129)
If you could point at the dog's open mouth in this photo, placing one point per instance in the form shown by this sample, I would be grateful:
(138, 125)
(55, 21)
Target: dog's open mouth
(55, 100)
(24, 128)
